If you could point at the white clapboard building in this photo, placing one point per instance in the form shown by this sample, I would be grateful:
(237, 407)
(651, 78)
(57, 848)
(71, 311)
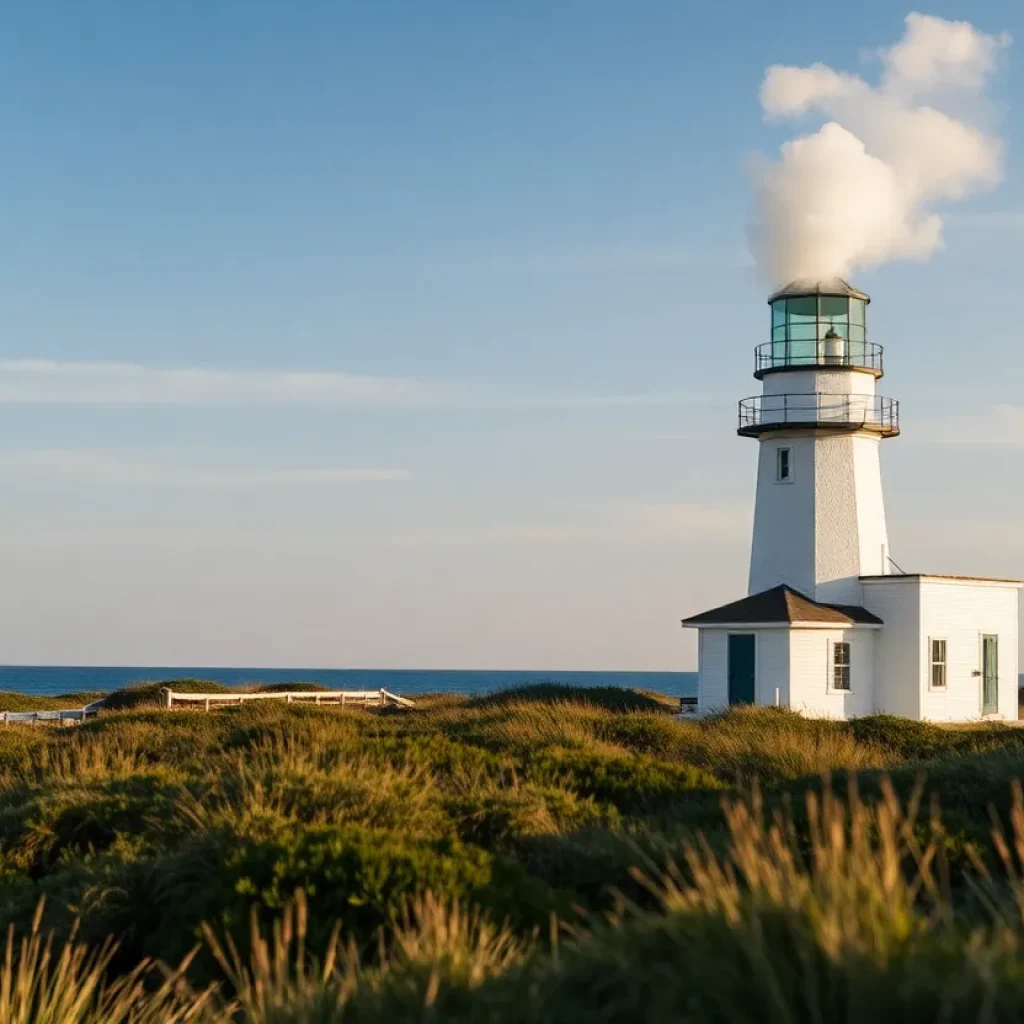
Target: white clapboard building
(831, 626)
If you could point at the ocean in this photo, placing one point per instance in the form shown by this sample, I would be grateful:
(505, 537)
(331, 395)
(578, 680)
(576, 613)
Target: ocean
(50, 680)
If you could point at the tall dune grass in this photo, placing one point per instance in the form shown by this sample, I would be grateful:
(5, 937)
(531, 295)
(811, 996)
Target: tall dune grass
(547, 856)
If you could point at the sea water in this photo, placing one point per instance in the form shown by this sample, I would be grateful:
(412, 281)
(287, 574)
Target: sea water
(49, 680)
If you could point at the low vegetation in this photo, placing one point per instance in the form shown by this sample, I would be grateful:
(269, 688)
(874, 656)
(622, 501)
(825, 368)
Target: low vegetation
(546, 854)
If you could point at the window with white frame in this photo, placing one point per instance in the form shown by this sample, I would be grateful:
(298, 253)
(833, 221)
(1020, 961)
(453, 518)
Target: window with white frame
(783, 465)
(841, 665)
(938, 660)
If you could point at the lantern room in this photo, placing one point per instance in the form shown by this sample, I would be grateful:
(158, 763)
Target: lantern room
(818, 323)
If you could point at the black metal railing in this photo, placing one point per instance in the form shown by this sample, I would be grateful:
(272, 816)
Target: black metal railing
(781, 355)
(762, 413)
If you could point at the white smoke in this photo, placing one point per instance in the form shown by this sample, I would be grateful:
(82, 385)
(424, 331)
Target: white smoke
(861, 190)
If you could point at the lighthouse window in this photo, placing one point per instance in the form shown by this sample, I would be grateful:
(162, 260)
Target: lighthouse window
(840, 666)
(938, 664)
(783, 465)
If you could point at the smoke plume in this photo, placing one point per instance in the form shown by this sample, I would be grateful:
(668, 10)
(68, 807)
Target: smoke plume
(863, 189)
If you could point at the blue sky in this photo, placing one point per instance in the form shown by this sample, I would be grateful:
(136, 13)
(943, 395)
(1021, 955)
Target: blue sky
(410, 335)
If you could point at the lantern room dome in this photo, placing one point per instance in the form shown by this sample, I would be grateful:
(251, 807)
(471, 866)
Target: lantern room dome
(825, 286)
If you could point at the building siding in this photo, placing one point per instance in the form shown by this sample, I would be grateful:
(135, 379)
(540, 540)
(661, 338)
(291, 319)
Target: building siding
(917, 609)
(836, 534)
(960, 613)
(783, 544)
(713, 657)
(897, 603)
(826, 382)
(771, 667)
(826, 528)
(811, 672)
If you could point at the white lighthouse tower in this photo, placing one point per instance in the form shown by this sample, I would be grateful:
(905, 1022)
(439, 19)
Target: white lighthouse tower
(819, 520)
(830, 626)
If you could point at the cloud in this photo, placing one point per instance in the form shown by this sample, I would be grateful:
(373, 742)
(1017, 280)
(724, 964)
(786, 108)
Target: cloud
(108, 467)
(51, 382)
(861, 190)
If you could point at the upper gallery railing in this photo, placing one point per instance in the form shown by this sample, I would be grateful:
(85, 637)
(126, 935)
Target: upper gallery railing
(782, 355)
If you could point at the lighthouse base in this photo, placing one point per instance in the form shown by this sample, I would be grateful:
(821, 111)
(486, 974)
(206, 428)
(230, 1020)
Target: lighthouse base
(935, 648)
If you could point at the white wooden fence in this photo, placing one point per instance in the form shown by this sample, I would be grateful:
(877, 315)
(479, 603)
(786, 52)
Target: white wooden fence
(377, 698)
(69, 715)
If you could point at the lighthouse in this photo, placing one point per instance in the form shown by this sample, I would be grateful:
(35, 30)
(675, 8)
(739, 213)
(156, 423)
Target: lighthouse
(819, 517)
(831, 626)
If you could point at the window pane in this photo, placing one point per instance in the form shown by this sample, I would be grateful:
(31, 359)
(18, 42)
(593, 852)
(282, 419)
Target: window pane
(803, 353)
(779, 333)
(833, 307)
(856, 332)
(803, 310)
(803, 332)
(857, 311)
(938, 676)
(778, 312)
(840, 329)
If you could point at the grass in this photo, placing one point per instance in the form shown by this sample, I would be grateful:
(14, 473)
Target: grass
(543, 854)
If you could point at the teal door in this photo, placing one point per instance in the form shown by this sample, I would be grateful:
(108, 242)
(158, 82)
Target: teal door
(989, 675)
(741, 668)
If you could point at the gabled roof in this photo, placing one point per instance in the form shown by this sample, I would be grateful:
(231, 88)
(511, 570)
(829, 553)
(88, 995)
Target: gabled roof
(783, 604)
(827, 286)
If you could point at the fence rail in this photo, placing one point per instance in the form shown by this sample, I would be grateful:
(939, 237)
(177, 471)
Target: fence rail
(372, 698)
(65, 715)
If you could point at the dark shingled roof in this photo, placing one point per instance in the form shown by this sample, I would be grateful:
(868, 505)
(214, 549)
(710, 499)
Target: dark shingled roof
(783, 604)
(830, 286)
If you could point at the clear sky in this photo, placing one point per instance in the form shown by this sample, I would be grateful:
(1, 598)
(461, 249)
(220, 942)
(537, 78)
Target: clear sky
(398, 334)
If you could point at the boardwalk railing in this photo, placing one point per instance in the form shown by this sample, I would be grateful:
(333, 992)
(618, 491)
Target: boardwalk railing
(69, 715)
(377, 698)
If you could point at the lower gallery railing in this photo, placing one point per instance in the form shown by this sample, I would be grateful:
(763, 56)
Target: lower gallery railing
(844, 410)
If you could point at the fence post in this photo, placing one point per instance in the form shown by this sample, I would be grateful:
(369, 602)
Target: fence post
(776, 696)
(207, 703)
(288, 698)
(170, 697)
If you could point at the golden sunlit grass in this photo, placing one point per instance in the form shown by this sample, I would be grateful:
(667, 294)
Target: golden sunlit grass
(548, 854)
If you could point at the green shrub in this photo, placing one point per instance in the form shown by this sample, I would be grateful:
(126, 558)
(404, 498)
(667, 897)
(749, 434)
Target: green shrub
(634, 784)
(147, 694)
(142, 824)
(611, 698)
(286, 687)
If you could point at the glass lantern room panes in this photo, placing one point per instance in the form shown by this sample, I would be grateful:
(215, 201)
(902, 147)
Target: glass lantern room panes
(802, 310)
(802, 321)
